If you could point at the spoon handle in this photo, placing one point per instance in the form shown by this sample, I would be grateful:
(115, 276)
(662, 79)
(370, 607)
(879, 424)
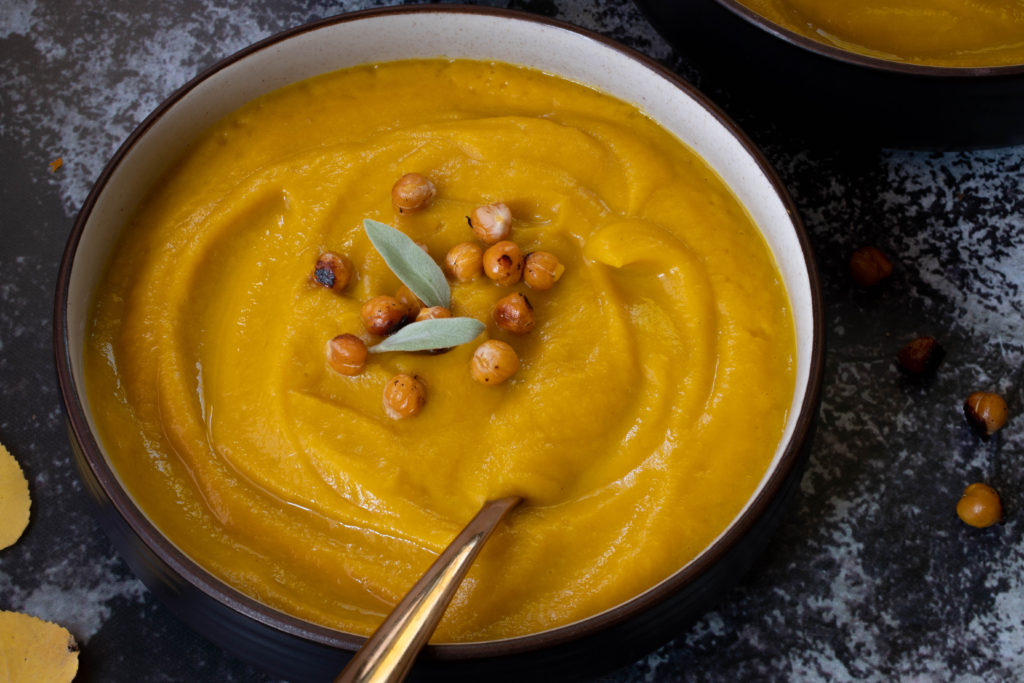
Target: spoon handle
(389, 653)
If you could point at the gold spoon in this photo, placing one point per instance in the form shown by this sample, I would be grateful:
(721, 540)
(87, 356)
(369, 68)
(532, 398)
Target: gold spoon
(389, 653)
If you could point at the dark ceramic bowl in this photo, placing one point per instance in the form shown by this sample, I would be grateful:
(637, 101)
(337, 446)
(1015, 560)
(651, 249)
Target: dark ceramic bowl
(838, 96)
(303, 651)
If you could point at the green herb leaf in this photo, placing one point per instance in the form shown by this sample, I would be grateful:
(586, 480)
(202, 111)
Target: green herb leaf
(427, 335)
(412, 265)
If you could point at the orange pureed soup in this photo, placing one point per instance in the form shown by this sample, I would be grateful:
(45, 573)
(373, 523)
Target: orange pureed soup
(956, 33)
(650, 400)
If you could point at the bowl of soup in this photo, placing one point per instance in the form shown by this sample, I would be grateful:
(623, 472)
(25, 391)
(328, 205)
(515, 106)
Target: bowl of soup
(933, 74)
(662, 398)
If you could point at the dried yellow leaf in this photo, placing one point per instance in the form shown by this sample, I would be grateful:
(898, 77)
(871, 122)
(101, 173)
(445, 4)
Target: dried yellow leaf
(35, 650)
(14, 500)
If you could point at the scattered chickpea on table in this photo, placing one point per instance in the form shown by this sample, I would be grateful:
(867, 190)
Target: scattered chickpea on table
(921, 356)
(869, 266)
(980, 506)
(987, 412)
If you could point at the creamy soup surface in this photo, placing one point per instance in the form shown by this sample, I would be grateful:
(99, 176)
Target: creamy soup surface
(649, 403)
(956, 33)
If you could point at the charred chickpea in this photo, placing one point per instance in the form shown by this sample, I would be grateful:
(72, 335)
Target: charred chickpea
(383, 315)
(979, 506)
(411, 302)
(541, 270)
(412, 192)
(465, 261)
(433, 313)
(921, 356)
(869, 266)
(493, 362)
(503, 263)
(332, 271)
(514, 313)
(491, 223)
(404, 396)
(987, 412)
(346, 354)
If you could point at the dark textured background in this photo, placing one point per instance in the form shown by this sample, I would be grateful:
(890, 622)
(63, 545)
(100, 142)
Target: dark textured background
(871, 576)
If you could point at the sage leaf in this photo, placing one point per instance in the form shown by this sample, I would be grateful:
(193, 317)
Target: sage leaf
(412, 265)
(427, 335)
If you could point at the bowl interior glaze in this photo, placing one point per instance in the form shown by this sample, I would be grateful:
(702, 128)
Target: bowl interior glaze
(426, 32)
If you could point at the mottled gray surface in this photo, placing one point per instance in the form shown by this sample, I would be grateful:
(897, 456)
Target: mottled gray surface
(871, 577)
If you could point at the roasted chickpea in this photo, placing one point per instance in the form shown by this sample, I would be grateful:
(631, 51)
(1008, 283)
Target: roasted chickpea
(384, 315)
(921, 356)
(514, 313)
(491, 223)
(346, 354)
(987, 412)
(493, 362)
(332, 270)
(433, 313)
(465, 261)
(869, 266)
(412, 192)
(542, 270)
(411, 302)
(503, 263)
(980, 506)
(404, 396)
